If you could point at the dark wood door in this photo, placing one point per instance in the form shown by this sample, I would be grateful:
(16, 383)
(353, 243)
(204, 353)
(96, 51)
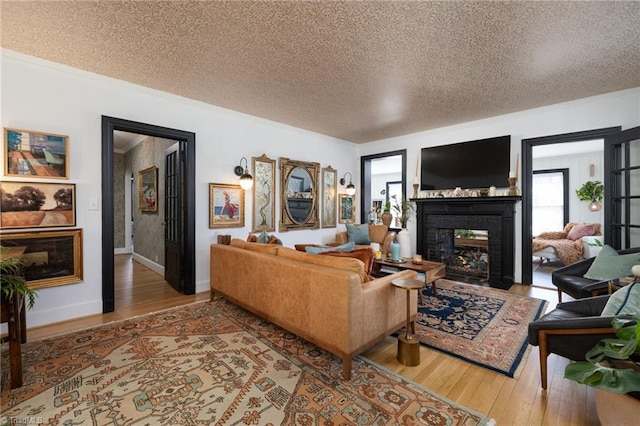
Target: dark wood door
(622, 189)
(173, 211)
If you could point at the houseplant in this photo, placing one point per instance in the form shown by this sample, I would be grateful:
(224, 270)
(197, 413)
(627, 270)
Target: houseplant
(591, 190)
(403, 209)
(613, 369)
(12, 282)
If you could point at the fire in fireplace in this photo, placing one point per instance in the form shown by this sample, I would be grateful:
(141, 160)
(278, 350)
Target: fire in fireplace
(464, 252)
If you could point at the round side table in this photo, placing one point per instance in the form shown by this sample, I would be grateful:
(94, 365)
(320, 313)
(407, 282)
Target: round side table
(408, 343)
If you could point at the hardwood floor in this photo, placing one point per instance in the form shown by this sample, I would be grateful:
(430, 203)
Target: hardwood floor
(508, 401)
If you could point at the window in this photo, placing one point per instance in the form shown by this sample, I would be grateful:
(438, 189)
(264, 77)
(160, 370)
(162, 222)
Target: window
(549, 200)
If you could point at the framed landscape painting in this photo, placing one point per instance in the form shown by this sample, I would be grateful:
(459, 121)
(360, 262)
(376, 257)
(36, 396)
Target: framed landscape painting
(264, 192)
(51, 258)
(37, 205)
(347, 208)
(226, 206)
(36, 154)
(329, 177)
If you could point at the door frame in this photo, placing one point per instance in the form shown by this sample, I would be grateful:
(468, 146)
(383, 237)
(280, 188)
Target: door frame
(109, 125)
(527, 172)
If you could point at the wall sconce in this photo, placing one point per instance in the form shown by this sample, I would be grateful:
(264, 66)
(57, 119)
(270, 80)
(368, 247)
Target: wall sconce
(246, 180)
(351, 189)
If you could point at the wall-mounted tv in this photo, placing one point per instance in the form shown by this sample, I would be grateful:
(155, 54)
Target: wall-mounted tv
(474, 164)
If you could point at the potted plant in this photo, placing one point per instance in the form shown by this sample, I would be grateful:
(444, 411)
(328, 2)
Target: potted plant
(613, 369)
(592, 191)
(12, 282)
(386, 215)
(403, 209)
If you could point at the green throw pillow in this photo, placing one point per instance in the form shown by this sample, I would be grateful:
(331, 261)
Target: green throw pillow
(358, 234)
(320, 249)
(624, 301)
(608, 264)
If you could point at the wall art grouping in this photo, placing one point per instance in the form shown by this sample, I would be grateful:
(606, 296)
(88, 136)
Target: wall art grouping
(264, 192)
(50, 257)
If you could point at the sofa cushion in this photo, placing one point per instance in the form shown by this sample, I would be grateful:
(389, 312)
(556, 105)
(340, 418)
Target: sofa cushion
(624, 301)
(581, 230)
(345, 264)
(358, 234)
(259, 247)
(364, 254)
(313, 249)
(608, 264)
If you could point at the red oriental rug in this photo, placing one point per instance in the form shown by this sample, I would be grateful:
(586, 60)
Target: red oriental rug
(209, 363)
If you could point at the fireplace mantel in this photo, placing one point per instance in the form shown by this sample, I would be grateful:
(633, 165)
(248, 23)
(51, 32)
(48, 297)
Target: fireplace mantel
(495, 214)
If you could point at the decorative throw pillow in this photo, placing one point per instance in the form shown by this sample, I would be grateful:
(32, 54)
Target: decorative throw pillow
(263, 237)
(581, 230)
(365, 254)
(358, 234)
(320, 249)
(624, 301)
(608, 264)
(252, 238)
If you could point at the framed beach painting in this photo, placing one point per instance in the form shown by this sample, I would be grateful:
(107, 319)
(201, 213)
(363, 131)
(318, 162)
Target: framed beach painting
(329, 177)
(226, 206)
(347, 204)
(264, 192)
(148, 190)
(29, 153)
(37, 205)
(50, 258)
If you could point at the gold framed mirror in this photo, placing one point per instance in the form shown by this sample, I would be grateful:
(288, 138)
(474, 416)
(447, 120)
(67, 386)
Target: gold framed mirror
(298, 194)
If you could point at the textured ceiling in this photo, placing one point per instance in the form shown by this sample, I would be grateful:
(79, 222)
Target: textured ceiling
(359, 71)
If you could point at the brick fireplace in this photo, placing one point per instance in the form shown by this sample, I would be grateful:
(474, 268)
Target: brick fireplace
(493, 214)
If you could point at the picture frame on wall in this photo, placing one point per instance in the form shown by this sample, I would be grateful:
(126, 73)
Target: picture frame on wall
(347, 203)
(50, 258)
(37, 205)
(264, 192)
(29, 153)
(226, 206)
(329, 179)
(148, 190)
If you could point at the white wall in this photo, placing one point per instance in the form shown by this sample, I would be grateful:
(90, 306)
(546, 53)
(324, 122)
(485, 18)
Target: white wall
(613, 109)
(578, 166)
(40, 95)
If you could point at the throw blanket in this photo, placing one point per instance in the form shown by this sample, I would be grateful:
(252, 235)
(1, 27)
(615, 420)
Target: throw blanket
(568, 251)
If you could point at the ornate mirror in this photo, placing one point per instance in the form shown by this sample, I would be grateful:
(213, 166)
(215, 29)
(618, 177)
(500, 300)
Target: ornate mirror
(299, 194)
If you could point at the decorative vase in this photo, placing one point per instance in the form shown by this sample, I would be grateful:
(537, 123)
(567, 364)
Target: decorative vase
(387, 217)
(394, 248)
(404, 239)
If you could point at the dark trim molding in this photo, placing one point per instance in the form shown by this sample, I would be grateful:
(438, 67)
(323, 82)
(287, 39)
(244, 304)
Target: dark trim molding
(527, 170)
(109, 124)
(365, 179)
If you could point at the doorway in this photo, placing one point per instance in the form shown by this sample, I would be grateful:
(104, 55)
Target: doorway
(186, 141)
(545, 142)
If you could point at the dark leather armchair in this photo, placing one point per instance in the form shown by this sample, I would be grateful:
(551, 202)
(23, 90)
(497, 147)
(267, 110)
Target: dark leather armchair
(570, 330)
(569, 279)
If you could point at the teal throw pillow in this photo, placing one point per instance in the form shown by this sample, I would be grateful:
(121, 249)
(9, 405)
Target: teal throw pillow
(358, 234)
(624, 301)
(320, 249)
(608, 264)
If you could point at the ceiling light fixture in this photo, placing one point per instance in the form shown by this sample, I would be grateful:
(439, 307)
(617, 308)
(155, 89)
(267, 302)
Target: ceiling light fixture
(351, 189)
(246, 180)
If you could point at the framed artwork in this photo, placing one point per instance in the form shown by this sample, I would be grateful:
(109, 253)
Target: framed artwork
(226, 206)
(329, 178)
(347, 212)
(35, 154)
(37, 205)
(264, 192)
(148, 190)
(51, 258)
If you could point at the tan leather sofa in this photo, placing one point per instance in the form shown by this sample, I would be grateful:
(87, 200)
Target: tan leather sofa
(322, 299)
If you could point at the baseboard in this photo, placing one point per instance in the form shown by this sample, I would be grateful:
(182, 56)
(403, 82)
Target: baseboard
(123, 250)
(159, 269)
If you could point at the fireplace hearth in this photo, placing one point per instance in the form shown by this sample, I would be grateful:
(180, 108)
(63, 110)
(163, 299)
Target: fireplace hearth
(493, 214)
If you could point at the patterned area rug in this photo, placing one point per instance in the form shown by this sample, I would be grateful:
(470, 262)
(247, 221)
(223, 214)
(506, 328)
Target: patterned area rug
(210, 363)
(482, 325)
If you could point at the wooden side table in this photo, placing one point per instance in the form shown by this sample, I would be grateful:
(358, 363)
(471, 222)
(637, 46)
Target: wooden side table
(408, 343)
(432, 270)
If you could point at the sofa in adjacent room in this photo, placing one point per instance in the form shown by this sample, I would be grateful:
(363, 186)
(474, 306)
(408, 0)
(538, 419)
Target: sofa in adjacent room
(329, 301)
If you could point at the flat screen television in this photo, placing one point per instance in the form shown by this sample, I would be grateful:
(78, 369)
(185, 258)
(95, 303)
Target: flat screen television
(474, 164)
